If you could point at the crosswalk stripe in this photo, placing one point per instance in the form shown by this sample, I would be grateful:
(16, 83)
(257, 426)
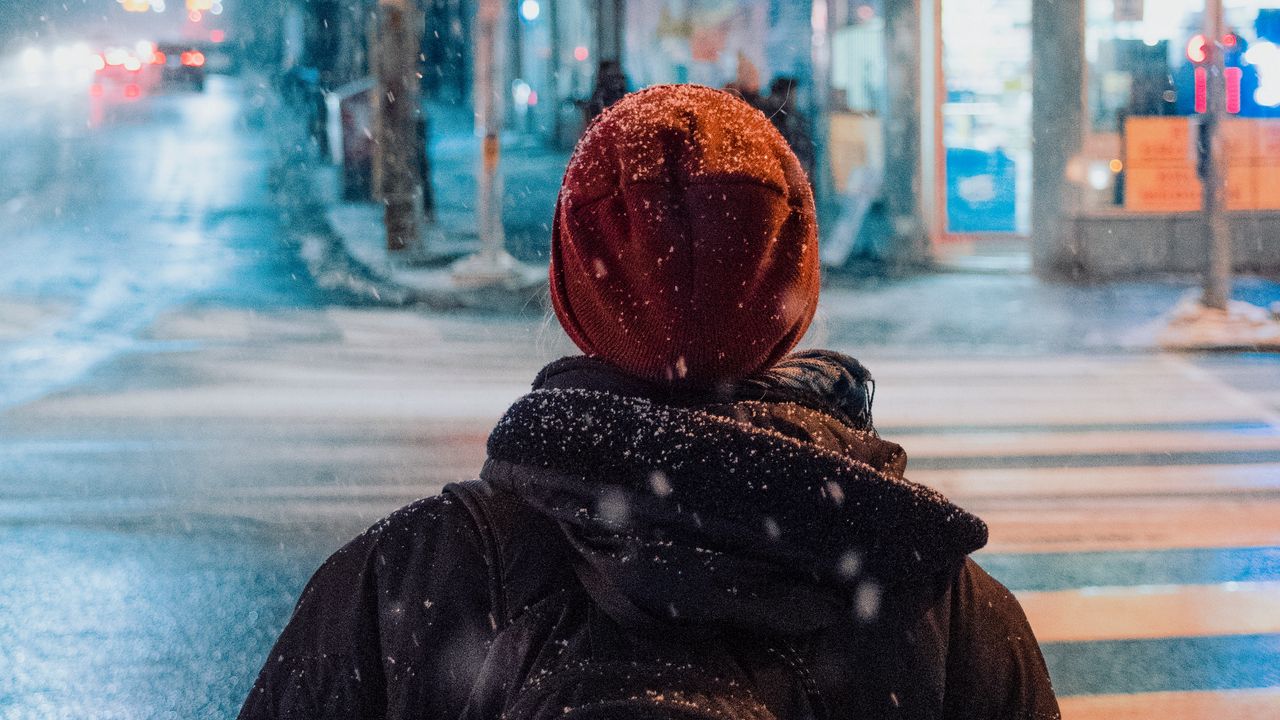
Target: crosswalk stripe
(1047, 572)
(1022, 525)
(1252, 704)
(1040, 443)
(1261, 479)
(1173, 664)
(1153, 611)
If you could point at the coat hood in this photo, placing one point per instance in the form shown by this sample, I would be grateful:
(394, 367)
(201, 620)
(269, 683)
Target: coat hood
(692, 514)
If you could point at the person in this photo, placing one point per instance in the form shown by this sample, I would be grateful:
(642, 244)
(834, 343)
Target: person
(782, 107)
(687, 521)
(746, 82)
(611, 85)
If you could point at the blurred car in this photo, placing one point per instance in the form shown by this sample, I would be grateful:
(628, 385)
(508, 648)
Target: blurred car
(122, 69)
(181, 65)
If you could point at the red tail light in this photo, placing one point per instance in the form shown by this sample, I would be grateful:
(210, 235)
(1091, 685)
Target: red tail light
(193, 58)
(158, 58)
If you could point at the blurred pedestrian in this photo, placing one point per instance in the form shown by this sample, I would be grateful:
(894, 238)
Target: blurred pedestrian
(782, 108)
(686, 521)
(611, 85)
(746, 83)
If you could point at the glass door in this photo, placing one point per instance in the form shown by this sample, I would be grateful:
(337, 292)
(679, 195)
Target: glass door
(986, 116)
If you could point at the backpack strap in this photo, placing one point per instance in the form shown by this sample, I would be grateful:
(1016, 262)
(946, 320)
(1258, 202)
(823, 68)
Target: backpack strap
(524, 551)
(477, 496)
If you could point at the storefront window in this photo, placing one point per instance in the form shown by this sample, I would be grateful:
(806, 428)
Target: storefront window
(855, 129)
(987, 114)
(1147, 88)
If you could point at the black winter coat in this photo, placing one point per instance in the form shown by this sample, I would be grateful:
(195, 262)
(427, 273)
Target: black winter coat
(745, 523)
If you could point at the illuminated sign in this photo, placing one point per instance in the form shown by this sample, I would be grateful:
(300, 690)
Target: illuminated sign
(1160, 165)
(141, 6)
(1265, 57)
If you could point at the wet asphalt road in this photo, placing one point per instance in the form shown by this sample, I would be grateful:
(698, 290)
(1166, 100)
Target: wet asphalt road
(124, 222)
(188, 426)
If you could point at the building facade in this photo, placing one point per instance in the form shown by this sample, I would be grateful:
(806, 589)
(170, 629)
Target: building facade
(1061, 132)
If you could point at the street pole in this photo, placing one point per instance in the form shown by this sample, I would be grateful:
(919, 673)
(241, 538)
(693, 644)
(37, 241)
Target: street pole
(553, 73)
(397, 128)
(1217, 283)
(609, 15)
(492, 265)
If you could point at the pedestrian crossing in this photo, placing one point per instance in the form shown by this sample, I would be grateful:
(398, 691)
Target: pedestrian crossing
(1133, 500)
(1134, 505)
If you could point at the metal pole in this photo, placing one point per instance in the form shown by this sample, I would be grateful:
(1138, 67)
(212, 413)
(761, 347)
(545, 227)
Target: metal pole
(904, 150)
(553, 72)
(489, 113)
(820, 98)
(1217, 284)
(609, 30)
(492, 265)
(398, 142)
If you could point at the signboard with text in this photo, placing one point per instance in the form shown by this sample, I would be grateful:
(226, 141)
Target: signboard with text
(1161, 160)
(1160, 165)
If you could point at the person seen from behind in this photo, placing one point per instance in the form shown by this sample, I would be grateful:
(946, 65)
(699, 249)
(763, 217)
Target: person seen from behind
(689, 520)
(746, 82)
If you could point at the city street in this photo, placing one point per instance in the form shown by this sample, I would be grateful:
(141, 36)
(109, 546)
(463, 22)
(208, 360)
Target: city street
(188, 426)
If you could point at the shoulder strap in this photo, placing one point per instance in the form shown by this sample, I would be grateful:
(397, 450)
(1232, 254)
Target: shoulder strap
(477, 496)
(523, 549)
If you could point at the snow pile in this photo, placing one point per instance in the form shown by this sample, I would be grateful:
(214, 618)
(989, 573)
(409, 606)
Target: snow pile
(1192, 326)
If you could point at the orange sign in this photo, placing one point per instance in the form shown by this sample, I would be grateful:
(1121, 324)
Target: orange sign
(1266, 183)
(1241, 186)
(1241, 139)
(1170, 189)
(1158, 142)
(1268, 139)
(1160, 167)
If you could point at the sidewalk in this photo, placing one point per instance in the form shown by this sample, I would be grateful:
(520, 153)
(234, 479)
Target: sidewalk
(1006, 313)
(982, 301)
(531, 173)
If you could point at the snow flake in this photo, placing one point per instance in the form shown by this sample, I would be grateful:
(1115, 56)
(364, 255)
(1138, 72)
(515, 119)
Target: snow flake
(866, 601)
(659, 483)
(772, 529)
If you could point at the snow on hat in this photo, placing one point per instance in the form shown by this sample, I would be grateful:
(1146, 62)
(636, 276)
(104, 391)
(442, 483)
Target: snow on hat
(684, 246)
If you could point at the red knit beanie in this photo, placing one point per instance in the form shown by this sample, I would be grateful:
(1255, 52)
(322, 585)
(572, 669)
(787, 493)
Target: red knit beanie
(684, 246)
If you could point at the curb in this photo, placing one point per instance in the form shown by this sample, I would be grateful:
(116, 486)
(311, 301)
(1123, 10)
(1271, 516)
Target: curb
(334, 266)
